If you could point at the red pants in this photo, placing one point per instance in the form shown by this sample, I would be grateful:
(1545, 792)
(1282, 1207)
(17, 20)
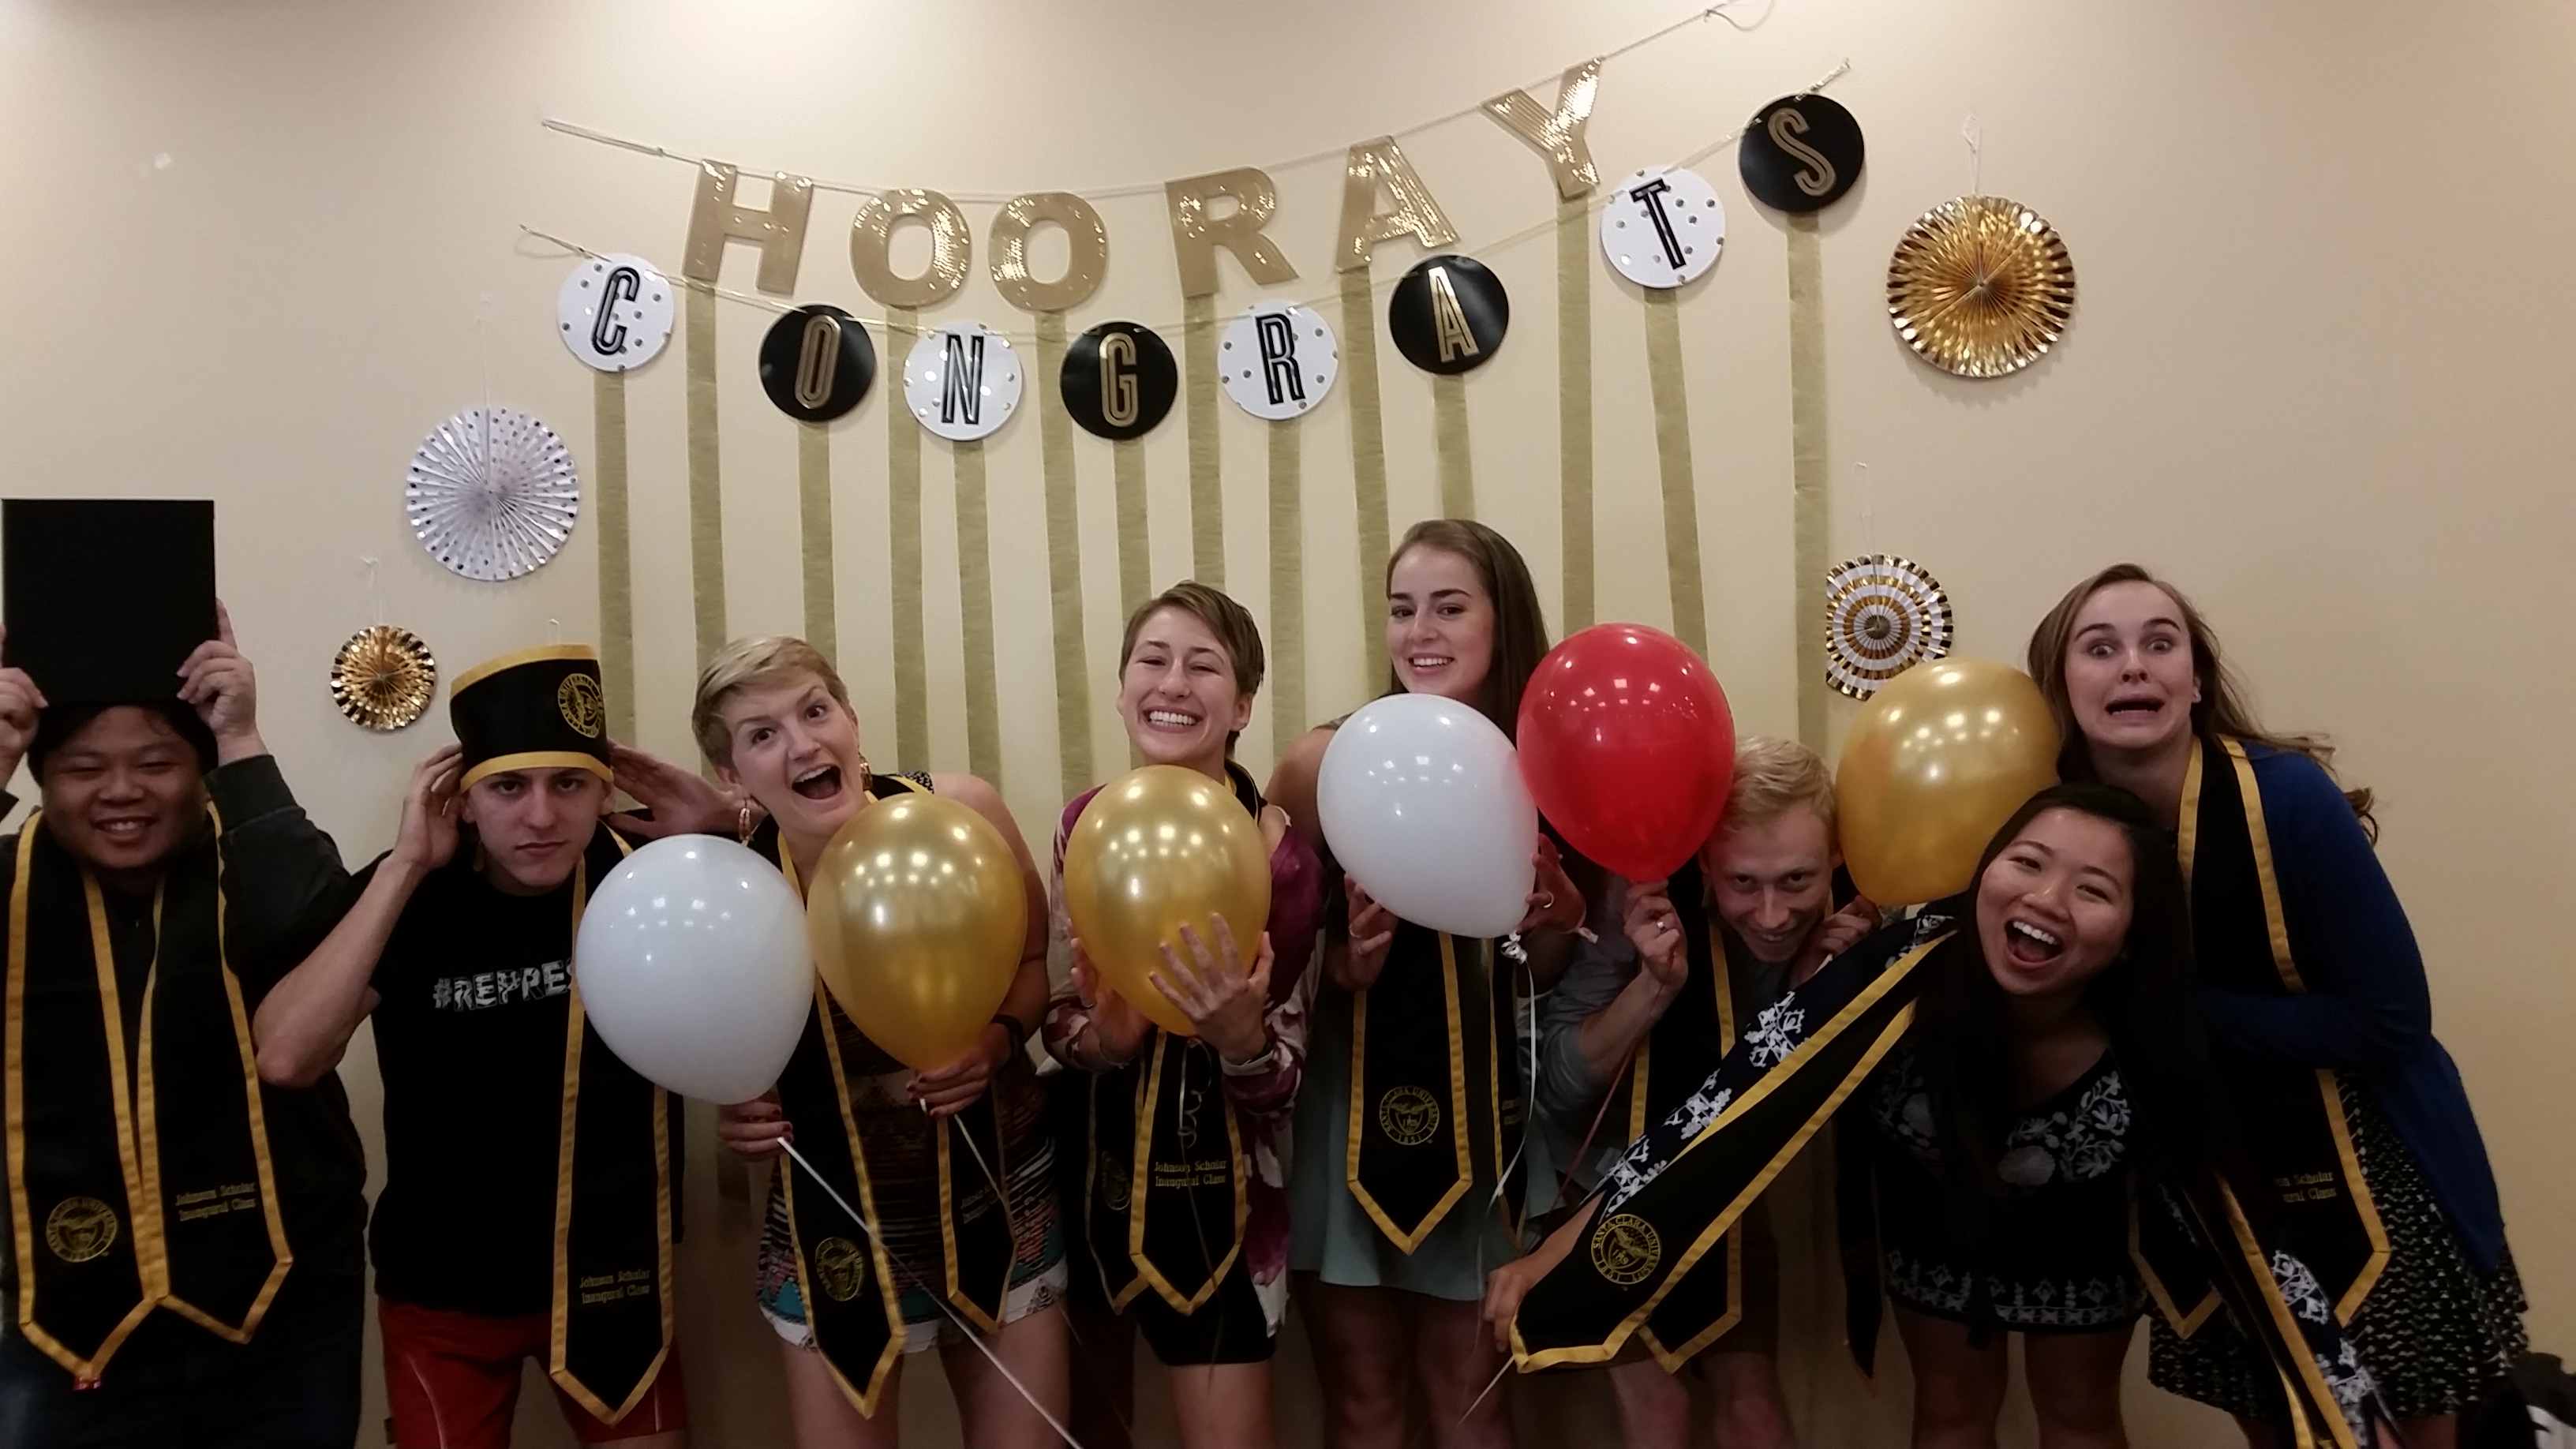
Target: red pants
(452, 1381)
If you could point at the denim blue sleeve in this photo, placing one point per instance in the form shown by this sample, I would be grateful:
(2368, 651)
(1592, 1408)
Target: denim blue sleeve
(2367, 1004)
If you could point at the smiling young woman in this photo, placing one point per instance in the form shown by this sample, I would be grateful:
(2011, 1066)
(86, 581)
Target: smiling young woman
(1188, 672)
(2311, 983)
(1390, 1238)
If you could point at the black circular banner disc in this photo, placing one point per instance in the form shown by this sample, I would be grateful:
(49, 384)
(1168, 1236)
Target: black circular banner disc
(1119, 380)
(817, 363)
(1449, 314)
(1800, 153)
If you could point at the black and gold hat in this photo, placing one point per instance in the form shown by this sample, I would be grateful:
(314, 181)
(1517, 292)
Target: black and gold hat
(532, 709)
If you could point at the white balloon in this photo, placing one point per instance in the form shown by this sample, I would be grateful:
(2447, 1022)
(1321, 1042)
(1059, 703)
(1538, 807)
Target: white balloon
(1421, 799)
(692, 963)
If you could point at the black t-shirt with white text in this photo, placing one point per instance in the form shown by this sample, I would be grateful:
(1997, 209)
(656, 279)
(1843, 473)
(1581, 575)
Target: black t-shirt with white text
(475, 991)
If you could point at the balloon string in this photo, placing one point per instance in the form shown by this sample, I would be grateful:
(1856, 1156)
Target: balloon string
(972, 1336)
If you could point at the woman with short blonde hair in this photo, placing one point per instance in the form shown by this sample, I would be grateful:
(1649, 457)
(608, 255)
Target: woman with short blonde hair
(775, 720)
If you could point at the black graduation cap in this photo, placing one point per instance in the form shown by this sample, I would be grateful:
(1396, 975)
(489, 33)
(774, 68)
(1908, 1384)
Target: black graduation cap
(106, 597)
(533, 709)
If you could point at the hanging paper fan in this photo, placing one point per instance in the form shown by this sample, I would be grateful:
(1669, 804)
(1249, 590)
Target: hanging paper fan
(492, 494)
(383, 677)
(1980, 286)
(1882, 616)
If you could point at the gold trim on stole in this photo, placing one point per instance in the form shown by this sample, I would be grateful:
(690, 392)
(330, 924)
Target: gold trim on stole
(138, 1142)
(2276, 924)
(2314, 1382)
(1140, 1185)
(559, 1343)
(1723, 984)
(1456, 1114)
(892, 1354)
(1727, 1217)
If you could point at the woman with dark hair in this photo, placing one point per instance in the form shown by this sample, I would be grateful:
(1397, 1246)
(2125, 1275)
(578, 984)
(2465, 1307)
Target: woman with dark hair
(2048, 1061)
(1404, 1177)
(2315, 996)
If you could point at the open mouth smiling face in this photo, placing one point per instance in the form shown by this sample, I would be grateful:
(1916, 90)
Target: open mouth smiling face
(2053, 909)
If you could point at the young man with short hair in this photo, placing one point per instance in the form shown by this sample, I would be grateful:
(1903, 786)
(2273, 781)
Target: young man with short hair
(1642, 1017)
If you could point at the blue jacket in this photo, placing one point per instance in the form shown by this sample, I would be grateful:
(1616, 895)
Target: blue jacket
(2367, 1009)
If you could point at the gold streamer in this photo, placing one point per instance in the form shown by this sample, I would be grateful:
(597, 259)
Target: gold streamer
(975, 613)
(1287, 581)
(616, 561)
(1449, 435)
(1135, 557)
(706, 479)
(1808, 467)
(903, 540)
(814, 521)
(1368, 468)
(1673, 451)
(1574, 406)
(1064, 562)
(1207, 485)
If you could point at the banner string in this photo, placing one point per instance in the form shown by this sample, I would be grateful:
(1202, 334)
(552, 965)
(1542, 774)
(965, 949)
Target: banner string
(1719, 11)
(1503, 243)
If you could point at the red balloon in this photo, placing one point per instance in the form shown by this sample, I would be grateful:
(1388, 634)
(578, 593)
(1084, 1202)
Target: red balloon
(1627, 745)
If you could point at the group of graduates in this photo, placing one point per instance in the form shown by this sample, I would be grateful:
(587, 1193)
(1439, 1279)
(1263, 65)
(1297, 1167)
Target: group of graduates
(2169, 1055)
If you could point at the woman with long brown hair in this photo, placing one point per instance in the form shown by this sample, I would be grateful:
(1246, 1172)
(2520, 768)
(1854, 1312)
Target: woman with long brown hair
(2315, 994)
(1391, 1239)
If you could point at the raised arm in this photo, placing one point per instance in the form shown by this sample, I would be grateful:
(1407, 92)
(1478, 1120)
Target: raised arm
(304, 1022)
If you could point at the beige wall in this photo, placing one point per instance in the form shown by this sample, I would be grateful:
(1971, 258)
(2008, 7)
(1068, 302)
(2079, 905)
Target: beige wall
(2317, 371)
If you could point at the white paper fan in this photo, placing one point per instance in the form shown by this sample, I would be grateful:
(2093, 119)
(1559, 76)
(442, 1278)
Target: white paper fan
(492, 499)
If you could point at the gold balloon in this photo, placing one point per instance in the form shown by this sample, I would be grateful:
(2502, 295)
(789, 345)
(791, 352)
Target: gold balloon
(1157, 848)
(1940, 759)
(917, 919)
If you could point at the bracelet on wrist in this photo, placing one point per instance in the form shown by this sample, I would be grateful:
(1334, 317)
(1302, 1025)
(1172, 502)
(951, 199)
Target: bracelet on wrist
(1019, 1034)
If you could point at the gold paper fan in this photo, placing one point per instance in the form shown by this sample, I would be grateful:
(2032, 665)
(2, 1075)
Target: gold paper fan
(1883, 615)
(383, 677)
(1980, 286)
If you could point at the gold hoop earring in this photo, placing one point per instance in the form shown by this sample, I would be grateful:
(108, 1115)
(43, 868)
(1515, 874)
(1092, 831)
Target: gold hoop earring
(867, 775)
(742, 829)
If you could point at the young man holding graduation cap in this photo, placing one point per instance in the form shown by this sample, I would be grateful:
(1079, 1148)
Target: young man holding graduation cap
(531, 1196)
(182, 1264)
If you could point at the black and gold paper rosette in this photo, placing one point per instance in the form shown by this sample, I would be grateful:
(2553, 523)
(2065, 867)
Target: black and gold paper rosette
(1980, 287)
(384, 677)
(1883, 615)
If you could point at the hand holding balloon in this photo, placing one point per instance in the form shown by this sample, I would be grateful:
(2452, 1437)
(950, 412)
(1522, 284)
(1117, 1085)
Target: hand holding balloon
(1557, 902)
(1155, 850)
(1372, 931)
(1834, 935)
(1221, 999)
(1118, 1029)
(1656, 932)
(755, 1128)
(951, 1089)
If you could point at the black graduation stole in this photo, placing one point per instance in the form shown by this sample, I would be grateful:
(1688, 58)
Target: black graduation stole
(1686, 1044)
(613, 1305)
(1660, 1260)
(1167, 1187)
(139, 1184)
(1418, 1139)
(2305, 1192)
(851, 1292)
